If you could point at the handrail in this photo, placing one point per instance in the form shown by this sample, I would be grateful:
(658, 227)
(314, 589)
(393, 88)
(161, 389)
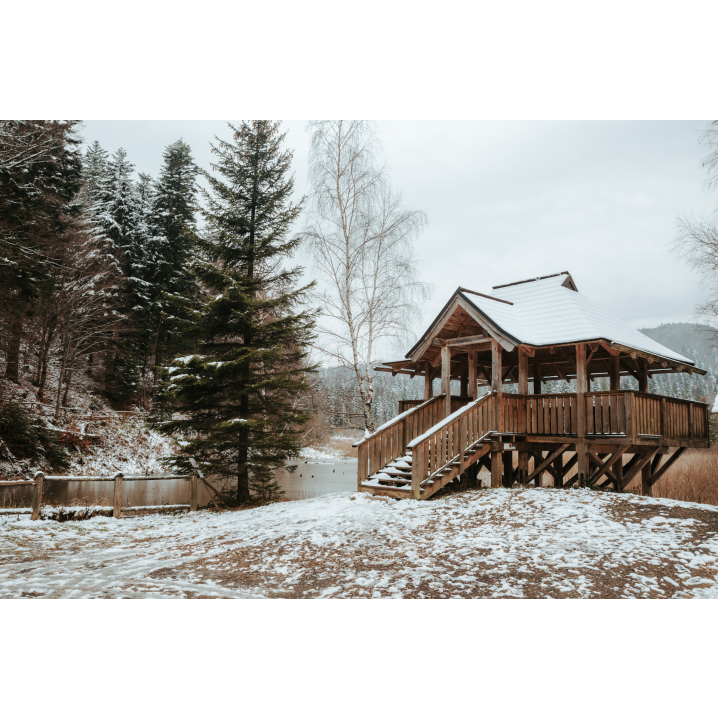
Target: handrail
(447, 441)
(396, 419)
(389, 442)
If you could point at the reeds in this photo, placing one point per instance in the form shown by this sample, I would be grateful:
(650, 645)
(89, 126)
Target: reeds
(694, 477)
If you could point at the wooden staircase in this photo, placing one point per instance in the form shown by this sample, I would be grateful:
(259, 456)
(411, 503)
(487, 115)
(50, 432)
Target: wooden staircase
(407, 459)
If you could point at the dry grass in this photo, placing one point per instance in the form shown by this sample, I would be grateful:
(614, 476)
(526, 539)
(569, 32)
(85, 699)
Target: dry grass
(342, 443)
(694, 477)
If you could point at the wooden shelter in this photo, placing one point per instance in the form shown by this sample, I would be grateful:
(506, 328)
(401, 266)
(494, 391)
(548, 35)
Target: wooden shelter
(502, 348)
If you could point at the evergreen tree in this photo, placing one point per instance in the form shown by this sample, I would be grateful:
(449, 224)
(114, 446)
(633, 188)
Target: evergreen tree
(40, 174)
(172, 244)
(237, 394)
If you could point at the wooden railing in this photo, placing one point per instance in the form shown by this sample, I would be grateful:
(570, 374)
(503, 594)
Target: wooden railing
(40, 481)
(608, 413)
(432, 451)
(456, 403)
(389, 441)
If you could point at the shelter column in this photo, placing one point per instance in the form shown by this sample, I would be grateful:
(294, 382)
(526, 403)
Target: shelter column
(537, 378)
(428, 383)
(614, 372)
(523, 389)
(642, 374)
(446, 377)
(472, 375)
(581, 389)
(496, 388)
(465, 376)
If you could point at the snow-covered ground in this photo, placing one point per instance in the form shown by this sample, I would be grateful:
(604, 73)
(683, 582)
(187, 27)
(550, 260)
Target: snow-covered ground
(483, 543)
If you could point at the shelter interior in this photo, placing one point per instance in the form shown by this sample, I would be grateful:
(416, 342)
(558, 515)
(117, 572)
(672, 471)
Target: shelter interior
(522, 434)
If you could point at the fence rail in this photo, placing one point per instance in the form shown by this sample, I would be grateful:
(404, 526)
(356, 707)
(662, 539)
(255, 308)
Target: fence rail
(608, 413)
(118, 479)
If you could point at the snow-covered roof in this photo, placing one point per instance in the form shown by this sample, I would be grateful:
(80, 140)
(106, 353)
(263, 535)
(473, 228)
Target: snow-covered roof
(546, 312)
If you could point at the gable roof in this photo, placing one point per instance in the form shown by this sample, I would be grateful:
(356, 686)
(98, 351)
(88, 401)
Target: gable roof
(550, 311)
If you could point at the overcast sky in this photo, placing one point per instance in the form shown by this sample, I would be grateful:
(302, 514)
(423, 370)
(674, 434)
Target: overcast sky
(511, 200)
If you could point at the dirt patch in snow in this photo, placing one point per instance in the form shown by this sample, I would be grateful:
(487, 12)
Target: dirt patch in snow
(483, 543)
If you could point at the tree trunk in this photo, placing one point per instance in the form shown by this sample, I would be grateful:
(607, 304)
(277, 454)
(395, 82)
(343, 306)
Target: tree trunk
(68, 373)
(12, 370)
(65, 355)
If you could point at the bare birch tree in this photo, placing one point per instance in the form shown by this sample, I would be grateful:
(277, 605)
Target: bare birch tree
(361, 241)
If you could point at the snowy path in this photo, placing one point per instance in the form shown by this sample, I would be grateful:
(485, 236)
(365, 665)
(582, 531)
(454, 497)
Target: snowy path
(486, 543)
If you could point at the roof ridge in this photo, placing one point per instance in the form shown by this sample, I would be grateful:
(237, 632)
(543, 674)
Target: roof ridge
(486, 296)
(525, 281)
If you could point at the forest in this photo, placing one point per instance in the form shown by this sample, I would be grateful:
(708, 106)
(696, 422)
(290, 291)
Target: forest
(182, 295)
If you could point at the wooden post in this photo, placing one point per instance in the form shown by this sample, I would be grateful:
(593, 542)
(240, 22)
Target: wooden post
(117, 498)
(614, 372)
(363, 457)
(464, 377)
(428, 383)
(193, 491)
(642, 374)
(646, 474)
(37, 495)
(581, 389)
(496, 469)
(523, 389)
(508, 461)
(558, 468)
(537, 378)
(496, 386)
(446, 378)
(418, 468)
(473, 381)
(618, 473)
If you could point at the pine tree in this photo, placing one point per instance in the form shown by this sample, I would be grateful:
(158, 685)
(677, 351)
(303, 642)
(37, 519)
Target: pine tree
(40, 170)
(173, 241)
(238, 393)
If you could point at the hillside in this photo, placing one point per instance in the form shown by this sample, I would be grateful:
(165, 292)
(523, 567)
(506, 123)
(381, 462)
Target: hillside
(697, 342)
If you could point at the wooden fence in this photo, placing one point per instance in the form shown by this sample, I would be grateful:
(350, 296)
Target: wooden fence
(40, 482)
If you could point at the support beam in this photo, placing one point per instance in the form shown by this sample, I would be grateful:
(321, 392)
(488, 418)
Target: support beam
(523, 389)
(551, 457)
(636, 464)
(496, 386)
(473, 381)
(614, 372)
(669, 462)
(428, 381)
(464, 376)
(558, 472)
(537, 378)
(581, 389)
(646, 474)
(606, 465)
(446, 378)
(496, 469)
(642, 374)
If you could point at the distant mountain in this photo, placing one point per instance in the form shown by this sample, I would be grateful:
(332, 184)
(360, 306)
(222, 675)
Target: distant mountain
(697, 342)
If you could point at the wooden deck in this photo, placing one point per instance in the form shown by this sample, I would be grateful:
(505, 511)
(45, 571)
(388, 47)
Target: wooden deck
(420, 451)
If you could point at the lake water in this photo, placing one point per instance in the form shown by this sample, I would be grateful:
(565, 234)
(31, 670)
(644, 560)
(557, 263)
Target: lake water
(312, 478)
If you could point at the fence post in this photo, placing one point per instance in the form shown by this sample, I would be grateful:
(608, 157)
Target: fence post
(117, 504)
(37, 496)
(193, 491)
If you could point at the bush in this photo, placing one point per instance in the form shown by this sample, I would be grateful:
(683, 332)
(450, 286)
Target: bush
(27, 437)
